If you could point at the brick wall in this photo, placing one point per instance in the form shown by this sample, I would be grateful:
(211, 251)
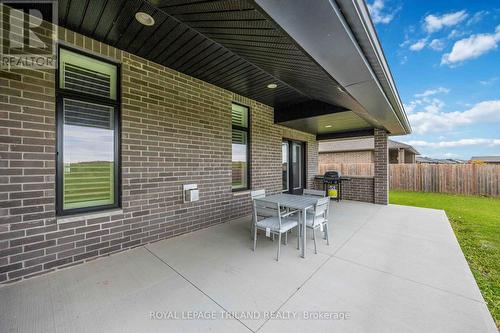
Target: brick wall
(357, 189)
(175, 130)
(368, 189)
(381, 168)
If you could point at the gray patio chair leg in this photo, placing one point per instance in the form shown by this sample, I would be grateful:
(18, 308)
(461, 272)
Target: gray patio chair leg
(326, 233)
(314, 237)
(286, 238)
(254, 237)
(298, 237)
(279, 247)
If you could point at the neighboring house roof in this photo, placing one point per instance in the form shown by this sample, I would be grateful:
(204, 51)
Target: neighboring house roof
(457, 160)
(396, 145)
(423, 159)
(359, 145)
(490, 159)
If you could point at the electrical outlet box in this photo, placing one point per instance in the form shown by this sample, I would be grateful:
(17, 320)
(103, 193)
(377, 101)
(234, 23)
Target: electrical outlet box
(191, 193)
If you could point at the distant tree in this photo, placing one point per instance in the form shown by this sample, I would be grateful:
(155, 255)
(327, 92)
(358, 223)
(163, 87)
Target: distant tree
(478, 162)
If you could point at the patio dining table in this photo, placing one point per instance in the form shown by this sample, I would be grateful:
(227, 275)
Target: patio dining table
(298, 202)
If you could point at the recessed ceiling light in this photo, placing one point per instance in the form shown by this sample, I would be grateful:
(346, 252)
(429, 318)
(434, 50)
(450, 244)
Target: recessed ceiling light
(144, 18)
(328, 126)
(272, 85)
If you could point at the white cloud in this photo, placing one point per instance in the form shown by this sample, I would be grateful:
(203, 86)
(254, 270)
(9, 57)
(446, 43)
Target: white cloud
(477, 17)
(456, 33)
(409, 31)
(489, 82)
(379, 14)
(433, 23)
(457, 143)
(405, 43)
(471, 47)
(434, 106)
(433, 119)
(426, 104)
(430, 92)
(436, 44)
(419, 45)
(409, 108)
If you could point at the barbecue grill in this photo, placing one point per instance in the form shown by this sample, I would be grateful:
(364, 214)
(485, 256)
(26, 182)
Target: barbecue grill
(331, 177)
(333, 184)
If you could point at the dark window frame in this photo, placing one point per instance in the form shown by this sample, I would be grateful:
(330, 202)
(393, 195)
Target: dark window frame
(62, 94)
(249, 155)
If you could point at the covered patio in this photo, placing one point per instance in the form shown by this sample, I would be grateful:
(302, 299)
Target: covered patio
(128, 171)
(160, 118)
(388, 268)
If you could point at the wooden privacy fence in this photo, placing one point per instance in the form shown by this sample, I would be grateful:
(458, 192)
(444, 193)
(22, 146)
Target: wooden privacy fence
(467, 179)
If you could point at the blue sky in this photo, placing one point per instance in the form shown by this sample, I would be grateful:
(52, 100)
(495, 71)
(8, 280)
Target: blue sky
(445, 58)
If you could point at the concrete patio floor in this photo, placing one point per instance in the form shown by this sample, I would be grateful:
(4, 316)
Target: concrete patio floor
(389, 269)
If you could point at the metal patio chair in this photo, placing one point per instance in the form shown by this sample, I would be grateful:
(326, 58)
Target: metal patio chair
(317, 218)
(256, 194)
(259, 194)
(313, 193)
(277, 222)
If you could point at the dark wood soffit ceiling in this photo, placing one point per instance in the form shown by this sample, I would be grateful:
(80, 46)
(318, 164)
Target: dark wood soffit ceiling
(228, 43)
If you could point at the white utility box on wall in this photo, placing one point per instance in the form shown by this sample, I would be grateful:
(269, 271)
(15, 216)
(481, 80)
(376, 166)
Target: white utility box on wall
(191, 193)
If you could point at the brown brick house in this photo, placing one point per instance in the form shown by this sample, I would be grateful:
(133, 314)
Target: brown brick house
(96, 153)
(362, 151)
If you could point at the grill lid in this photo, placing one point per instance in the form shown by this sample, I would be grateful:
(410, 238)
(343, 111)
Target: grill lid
(332, 175)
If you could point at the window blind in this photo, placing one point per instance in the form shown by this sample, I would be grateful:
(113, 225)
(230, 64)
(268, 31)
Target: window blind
(81, 113)
(86, 80)
(240, 115)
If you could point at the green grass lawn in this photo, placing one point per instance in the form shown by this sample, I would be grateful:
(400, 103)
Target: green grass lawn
(476, 222)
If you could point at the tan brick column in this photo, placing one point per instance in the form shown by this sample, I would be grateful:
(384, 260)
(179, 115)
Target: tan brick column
(381, 157)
